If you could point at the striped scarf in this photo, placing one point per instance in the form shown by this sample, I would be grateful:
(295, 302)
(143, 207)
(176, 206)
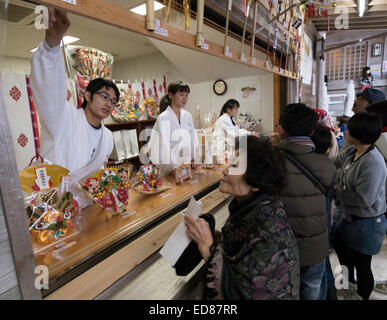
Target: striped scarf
(302, 140)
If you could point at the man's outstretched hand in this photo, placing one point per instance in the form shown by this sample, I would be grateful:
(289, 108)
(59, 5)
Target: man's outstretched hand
(58, 26)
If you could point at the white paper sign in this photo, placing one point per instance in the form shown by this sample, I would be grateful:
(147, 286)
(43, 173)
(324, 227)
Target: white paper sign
(384, 69)
(179, 240)
(74, 2)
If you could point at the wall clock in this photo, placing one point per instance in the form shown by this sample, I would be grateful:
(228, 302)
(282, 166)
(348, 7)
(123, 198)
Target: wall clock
(220, 87)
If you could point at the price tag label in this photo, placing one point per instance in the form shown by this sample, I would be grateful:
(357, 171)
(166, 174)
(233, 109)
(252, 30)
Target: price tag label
(65, 184)
(127, 215)
(228, 53)
(254, 61)
(243, 57)
(64, 247)
(205, 46)
(42, 178)
(165, 195)
(159, 30)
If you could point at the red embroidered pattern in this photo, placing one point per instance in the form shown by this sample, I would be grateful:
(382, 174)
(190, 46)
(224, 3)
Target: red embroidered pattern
(69, 95)
(150, 92)
(161, 88)
(22, 140)
(15, 93)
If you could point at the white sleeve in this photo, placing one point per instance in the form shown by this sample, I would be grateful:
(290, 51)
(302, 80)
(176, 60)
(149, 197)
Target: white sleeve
(48, 82)
(232, 131)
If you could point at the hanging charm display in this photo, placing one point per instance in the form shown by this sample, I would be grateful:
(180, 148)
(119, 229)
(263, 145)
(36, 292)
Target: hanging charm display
(269, 16)
(247, 4)
(187, 13)
(229, 7)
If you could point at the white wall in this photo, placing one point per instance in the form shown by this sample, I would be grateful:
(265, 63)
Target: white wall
(15, 65)
(202, 93)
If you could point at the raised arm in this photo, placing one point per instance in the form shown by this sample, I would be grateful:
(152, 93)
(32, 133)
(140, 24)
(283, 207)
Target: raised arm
(48, 77)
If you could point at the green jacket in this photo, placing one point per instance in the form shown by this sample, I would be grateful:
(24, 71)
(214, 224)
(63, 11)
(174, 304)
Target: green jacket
(305, 205)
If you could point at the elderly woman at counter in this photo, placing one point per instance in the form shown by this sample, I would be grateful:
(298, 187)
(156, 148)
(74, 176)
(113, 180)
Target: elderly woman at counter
(257, 258)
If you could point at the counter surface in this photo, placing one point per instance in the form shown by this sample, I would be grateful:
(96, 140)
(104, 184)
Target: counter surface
(100, 230)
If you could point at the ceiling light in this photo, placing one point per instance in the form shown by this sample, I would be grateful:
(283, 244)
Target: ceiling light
(66, 40)
(361, 6)
(141, 9)
(360, 40)
(69, 39)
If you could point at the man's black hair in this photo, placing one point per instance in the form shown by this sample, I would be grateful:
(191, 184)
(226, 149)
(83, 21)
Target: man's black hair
(322, 139)
(96, 85)
(298, 119)
(379, 108)
(365, 127)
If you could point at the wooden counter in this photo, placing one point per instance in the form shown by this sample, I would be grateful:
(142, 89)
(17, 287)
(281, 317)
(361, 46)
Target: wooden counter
(104, 237)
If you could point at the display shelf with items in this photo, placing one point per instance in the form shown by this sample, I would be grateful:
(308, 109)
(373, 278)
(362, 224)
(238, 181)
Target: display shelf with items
(102, 235)
(122, 150)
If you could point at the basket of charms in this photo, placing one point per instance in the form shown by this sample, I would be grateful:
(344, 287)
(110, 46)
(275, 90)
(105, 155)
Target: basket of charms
(50, 207)
(152, 107)
(109, 188)
(148, 181)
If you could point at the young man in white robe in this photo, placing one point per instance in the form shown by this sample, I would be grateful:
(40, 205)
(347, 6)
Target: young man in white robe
(73, 138)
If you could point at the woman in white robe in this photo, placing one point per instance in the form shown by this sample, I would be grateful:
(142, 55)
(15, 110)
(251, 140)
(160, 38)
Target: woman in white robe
(173, 139)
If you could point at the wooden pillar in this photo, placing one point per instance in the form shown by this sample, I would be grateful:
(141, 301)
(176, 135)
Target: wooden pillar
(150, 15)
(320, 72)
(14, 223)
(199, 17)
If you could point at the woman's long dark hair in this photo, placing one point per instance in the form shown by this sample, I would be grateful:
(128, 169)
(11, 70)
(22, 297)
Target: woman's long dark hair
(230, 104)
(173, 88)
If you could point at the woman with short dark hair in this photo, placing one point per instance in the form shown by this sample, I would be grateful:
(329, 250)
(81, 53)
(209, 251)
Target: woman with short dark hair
(360, 201)
(257, 258)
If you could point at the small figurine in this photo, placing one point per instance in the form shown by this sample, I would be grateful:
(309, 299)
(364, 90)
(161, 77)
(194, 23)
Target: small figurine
(183, 172)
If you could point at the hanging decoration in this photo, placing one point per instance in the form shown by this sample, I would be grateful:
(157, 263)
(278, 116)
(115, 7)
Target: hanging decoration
(88, 64)
(247, 4)
(169, 9)
(269, 16)
(283, 37)
(187, 13)
(287, 48)
(229, 7)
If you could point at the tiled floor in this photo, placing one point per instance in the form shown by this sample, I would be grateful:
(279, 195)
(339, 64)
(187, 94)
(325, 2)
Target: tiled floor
(379, 270)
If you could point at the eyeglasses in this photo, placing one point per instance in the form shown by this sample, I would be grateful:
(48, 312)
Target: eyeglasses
(106, 97)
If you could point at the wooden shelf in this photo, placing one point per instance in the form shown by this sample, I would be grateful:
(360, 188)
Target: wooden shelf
(125, 123)
(111, 161)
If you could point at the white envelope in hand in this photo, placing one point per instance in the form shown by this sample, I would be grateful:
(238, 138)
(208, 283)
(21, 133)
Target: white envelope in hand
(179, 240)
